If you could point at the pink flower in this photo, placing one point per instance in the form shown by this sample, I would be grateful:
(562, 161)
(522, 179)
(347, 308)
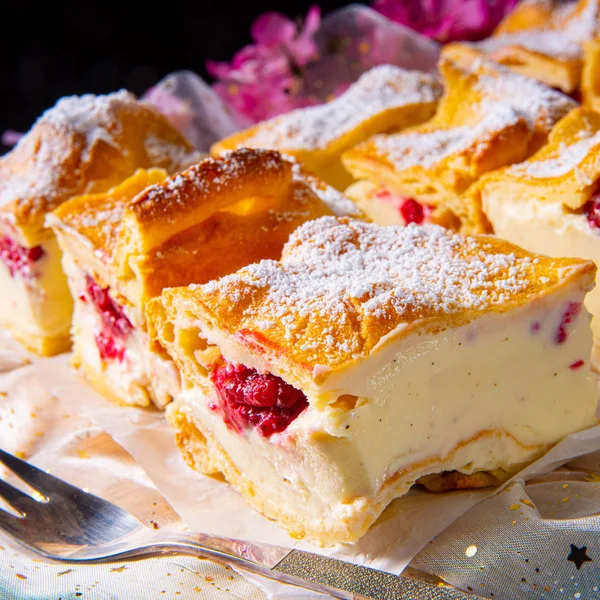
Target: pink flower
(265, 79)
(10, 137)
(447, 20)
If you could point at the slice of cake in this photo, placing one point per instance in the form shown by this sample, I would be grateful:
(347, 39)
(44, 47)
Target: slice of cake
(551, 202)
(326, 384)
(489, 117)
(84, 144)
(385, 98)
(121, 248)
(543, 39)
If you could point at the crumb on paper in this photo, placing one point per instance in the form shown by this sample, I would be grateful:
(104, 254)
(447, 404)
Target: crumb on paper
(64, 572)
(565, 499)
(83, 454)
(515, 506)
(565, 486)
(527, 502)
(20, 576)
(118, 569)
(20, 454)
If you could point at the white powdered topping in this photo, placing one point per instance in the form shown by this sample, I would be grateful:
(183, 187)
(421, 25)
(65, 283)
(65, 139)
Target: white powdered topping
(348, 271)
(382, 88)
(565, 159)
(551, 43)
(335, 201)
(173, 153)
(562, 40)
(407, 150)
(91, 117)
(536, 102)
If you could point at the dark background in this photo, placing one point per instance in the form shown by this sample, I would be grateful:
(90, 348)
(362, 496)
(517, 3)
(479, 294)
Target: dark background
(53, 49)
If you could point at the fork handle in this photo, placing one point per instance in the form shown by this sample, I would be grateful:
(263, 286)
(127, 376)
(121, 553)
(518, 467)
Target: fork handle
(316, 572)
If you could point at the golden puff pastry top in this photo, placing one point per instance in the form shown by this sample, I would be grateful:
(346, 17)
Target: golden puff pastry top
(154, 231)
(384, 98)
(565, 170)
(343, 288)
(541, 38)
(489, 117)
(83, 145)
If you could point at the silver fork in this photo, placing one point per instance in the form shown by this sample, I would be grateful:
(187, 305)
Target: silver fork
(62, 522)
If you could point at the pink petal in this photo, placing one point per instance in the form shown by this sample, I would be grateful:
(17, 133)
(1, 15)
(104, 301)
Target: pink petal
(312, 21)
(447, 20)
(273, 28)
(218, 70)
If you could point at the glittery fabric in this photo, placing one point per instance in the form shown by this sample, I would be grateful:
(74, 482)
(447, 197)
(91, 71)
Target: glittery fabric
(531, 541)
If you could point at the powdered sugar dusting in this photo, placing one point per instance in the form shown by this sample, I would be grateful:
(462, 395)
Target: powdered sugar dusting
(88, 119)
(563, 161)
(407, 150)
(351, 271)
(563, 40)
(335, 201)
(539, 104)
(379, 89)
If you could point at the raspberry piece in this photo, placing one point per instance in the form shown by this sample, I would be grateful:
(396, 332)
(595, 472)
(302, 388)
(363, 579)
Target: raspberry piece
(17, 258)
(571, 311)
(591, 209)
(248, 398)
(412, 211)
(113, 317)
(109, 348)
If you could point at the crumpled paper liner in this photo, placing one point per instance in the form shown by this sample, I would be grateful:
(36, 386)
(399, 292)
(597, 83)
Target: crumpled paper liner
(51, 391)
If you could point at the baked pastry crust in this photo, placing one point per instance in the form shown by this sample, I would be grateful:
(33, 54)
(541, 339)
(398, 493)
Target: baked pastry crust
(488, 117)
(590, 76)
(300, 313)
(203, 453)
(542, 39)
(564, 171)
(207, 221)
(83, 145)
(385, 98)
(153, 232)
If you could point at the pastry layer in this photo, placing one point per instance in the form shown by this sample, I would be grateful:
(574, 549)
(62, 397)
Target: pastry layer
(385, 98)
(123, 367)
(152, 232)
(548, 203)
(543, 39)
(487, 118)
(478, 390)
(35, 304)
(83, 145)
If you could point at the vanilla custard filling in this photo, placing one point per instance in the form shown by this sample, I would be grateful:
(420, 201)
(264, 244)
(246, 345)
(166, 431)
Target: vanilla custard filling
(381, 212)
(492, 394)
(547, 228)
(41, 305)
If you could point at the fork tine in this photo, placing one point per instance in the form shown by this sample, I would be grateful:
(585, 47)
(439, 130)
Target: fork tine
(10, 523)
(15, 497)
(39, 480)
